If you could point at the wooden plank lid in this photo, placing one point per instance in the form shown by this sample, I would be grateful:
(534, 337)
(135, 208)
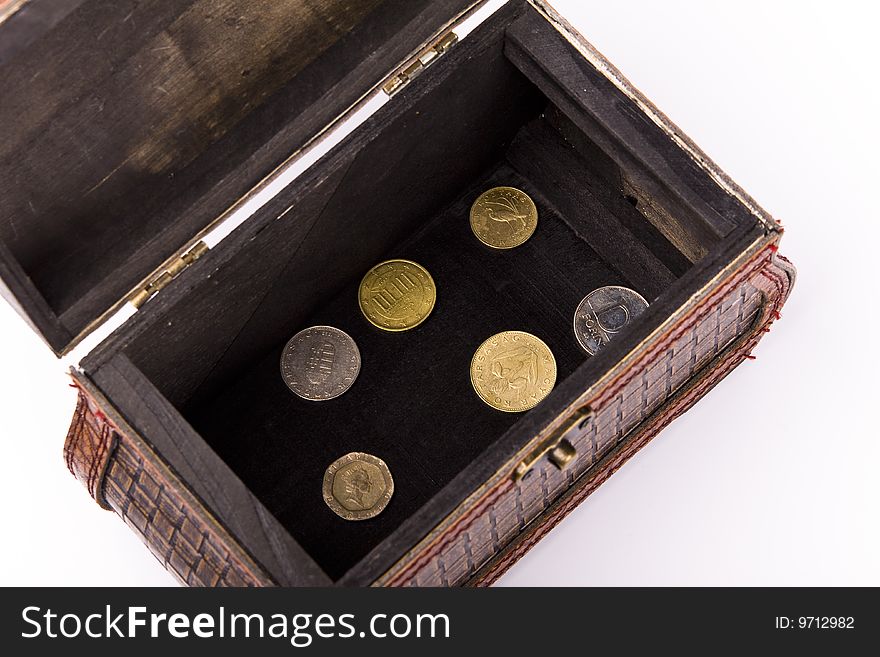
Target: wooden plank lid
(128, 126)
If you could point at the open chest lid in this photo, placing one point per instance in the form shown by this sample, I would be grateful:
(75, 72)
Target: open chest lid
(128, 128)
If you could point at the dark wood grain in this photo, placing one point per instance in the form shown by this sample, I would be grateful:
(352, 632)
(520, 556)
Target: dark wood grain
(27, 21)
(590, 208)
(614, 122)
(132, 126)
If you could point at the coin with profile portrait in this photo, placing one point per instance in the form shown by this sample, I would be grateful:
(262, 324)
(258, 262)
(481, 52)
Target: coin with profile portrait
(358, 486)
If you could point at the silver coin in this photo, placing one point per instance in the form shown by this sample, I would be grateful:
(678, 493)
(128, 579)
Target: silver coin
(603, 313)
(320, 363)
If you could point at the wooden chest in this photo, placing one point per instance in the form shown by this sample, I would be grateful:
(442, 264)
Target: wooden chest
(233, 168)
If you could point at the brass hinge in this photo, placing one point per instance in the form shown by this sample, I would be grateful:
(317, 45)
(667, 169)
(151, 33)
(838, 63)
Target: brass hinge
(559, 451)
(419, 64)
(141, 296)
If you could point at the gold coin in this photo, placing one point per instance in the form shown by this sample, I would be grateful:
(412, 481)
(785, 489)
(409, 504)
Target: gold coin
(358, 486)
(513, 371)
(503, 217)
(397, 295)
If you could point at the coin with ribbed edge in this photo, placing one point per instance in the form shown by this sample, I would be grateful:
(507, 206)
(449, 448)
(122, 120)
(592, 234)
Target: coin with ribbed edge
(320, 363)
(513, 371)
(503, 217)
(397, 295)
(603, 313)
(358, 486)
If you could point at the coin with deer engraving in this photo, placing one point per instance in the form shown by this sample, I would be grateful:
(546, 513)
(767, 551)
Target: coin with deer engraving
(320, 363)
(358, 486)
(513, 371)
(503, 217)
(397, 295)
(605, 312)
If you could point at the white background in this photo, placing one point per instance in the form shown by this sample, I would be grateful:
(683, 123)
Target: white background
(772, 479)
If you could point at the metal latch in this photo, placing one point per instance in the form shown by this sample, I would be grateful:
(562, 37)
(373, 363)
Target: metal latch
(428, 57)
(176, 266)
(559, 451)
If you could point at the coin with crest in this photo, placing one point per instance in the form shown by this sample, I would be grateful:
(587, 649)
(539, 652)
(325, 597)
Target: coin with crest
(503, 217)
(513, 371)
(320, 363)
(397, 295)
(605, 312)
(358, 486)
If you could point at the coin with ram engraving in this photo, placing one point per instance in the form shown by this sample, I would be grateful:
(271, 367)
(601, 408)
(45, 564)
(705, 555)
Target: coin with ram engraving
(397, 295)
(320, 363)
(513, 371)
(503, 217)
(603, 313)
(358, 486)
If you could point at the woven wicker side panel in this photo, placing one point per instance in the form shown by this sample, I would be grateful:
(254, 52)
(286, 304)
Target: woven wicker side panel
(168, 520)
(87, 449)
(510, 509)
(187, 548)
